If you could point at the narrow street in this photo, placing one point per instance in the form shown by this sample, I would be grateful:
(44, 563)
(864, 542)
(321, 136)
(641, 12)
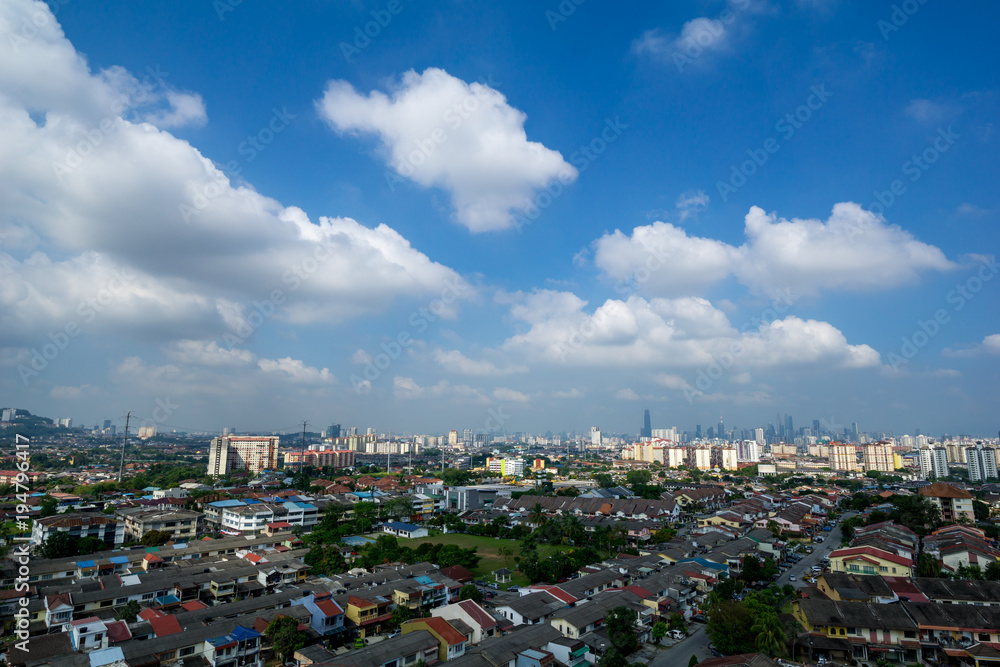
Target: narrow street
(680, 653)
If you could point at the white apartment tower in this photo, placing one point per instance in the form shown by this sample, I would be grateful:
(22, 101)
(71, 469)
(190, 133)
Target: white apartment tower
(982, 463)
(933, 462)
(242, 452)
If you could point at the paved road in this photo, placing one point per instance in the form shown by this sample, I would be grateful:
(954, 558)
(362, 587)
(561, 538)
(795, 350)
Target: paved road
(679, 654)
(803, 568)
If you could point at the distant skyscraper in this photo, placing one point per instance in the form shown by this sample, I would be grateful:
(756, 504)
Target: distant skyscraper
(595, 435)
(789, 428)
(107, 423)
(333, 431)
(697, 431)
(647, 425)
(758, 435)
(721, 431)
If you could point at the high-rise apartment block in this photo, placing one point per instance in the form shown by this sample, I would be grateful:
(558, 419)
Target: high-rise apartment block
(933, 462)
(982, 463)
(242, 452)
(843, 457)
(878, 456)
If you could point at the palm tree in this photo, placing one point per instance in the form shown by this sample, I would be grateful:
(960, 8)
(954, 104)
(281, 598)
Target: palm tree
(770, 636)
(572, 528)
(537, 515)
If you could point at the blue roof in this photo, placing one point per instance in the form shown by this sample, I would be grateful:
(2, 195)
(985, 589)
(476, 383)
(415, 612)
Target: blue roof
(151, 488)
(396, 525)
(106, 656)
(227, 503)
(168, 599)
(252, 501)
(119, 560)
(424, 579)
(86, 563)
(241, 633)
(305, 506)
(179, 545)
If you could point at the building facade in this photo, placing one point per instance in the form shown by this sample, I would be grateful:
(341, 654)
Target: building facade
(229, 453)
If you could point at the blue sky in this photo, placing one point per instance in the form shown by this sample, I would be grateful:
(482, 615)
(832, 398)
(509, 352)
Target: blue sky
(689, 200)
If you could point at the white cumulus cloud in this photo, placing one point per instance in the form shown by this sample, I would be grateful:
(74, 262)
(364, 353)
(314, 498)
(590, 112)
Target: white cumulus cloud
(440, 131)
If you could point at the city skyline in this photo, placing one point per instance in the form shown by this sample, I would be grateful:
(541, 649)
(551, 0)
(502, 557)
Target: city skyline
(734, 208)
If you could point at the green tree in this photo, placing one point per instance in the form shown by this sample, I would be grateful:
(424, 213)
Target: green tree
(604, 480)
(470, 592)
(730, 627)
(365, 513)
(399, 508)
(59, 545)
(659, 631)
(928, 565)
(769, 634)
(693, 661)
(992, 572)
(537, 515)
(676, 623)
(285, 637)
(155, 538)
(49, 505)
(968, 572)
(129, 612)
(620, 624)
(401, 614)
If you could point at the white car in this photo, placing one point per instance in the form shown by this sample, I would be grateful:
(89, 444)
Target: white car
(791, 577)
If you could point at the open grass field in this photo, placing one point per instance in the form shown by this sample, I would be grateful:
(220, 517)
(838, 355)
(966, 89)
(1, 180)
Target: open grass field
(488, 550)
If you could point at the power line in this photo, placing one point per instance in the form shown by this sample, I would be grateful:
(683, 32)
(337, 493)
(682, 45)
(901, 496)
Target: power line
(121, 467)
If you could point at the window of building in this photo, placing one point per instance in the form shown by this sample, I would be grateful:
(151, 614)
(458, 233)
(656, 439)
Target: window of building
(187, 651)
(984, 636)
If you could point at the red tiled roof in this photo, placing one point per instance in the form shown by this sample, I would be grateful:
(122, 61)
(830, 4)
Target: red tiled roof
(329, 608)
(194, 605)
(440, 626)
(118, 631)
(478, 614)
(150, 614)
(165, 625)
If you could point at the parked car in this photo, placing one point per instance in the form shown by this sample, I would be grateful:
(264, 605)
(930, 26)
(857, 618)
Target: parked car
(716, 652)
(495, 586)
(791, 577)
(819, 539)
(513, 589)
(678, 634)
(827, 528)
(698, 618)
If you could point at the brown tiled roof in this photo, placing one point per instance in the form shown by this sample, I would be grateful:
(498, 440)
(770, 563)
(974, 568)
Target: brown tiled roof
(942, 490)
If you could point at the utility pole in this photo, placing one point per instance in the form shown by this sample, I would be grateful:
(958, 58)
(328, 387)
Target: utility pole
(302, 457)
(121, 466)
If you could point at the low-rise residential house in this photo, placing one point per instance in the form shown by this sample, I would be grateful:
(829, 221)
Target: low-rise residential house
(530, 609)
(327, 616)
(88, 634)
(870, 560)
(367, 613)
(451, 642)
(482, 624)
